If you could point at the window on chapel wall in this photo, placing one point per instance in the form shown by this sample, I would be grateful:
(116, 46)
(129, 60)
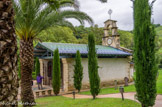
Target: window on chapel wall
(50, 69)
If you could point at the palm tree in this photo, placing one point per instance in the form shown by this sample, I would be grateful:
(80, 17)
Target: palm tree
(32, 17)
(8, 56)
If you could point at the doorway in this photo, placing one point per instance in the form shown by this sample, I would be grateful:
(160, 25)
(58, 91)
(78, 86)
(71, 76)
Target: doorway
(49, 73)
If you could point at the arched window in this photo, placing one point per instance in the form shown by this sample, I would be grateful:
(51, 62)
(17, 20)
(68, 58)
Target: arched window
(50, 69)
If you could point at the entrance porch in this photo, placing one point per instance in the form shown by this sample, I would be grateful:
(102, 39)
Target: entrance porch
(46, 68)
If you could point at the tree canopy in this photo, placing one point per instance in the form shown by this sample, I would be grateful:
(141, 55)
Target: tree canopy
(57, 34)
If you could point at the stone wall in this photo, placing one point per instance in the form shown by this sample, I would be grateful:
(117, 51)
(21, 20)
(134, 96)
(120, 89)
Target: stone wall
(110, 69)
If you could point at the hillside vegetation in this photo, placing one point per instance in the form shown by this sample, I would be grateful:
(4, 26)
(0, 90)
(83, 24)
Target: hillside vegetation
(159, 31)
(80, 36)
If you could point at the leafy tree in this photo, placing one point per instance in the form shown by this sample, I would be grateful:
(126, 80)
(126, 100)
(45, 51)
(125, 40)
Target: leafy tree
(94, 78)
(58, 34)
(159, 31)
(78, 72)
(79, 30)
(56, 75)
(82, 34)
(144, 54)
(37, 66)
(32, 17)
(8, 56)
(126, 39)
(98, 33)
(160, 62)
(157, 25)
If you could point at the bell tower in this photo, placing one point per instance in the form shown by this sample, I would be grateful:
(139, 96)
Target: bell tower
(111, 36)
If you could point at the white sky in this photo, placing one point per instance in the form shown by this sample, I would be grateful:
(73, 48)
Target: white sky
(122, 12)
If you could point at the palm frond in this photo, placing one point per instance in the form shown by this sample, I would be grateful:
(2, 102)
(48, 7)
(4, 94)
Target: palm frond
(33, 16)
(69, 3)
(80, 16)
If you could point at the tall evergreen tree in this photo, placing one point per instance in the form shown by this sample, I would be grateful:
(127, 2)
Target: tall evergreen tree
(56, 75)
(37, 66)
(94, 78)
(144, 54)
(78, 72)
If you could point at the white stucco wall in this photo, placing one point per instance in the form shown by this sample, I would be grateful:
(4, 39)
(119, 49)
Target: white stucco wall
(110, 69)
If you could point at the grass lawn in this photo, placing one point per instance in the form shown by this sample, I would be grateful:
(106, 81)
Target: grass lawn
(130, 88)
(159, 83)
(59, 101)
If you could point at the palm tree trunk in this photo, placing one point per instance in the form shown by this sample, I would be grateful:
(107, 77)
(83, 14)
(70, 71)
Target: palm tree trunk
(26, 60)
(8, 56)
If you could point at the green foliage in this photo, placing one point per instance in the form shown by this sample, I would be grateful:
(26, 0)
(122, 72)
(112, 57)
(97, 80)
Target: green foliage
(53, 3)
(34, 76)
(78, 72)
(56, 75)
(58, 34)
(98, 33)
(160, 62)
(157, 25)
(94, 78)
(37, 66)
(144, 54)
(82, 34)
(126, 39)
(159, 31)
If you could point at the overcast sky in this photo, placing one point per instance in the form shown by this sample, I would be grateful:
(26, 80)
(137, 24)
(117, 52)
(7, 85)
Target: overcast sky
(122, 12)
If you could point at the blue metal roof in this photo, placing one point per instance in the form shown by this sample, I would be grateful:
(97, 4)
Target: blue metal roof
(66, 48)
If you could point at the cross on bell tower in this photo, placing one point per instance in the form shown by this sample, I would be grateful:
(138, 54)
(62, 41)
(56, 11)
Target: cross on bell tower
(111, 36)
(110, 12)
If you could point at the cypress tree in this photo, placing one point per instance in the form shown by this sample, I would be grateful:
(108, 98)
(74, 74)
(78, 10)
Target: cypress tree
(56, 75)
(78, 72)
(37, 66)
(144, 54)
(93, 67)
